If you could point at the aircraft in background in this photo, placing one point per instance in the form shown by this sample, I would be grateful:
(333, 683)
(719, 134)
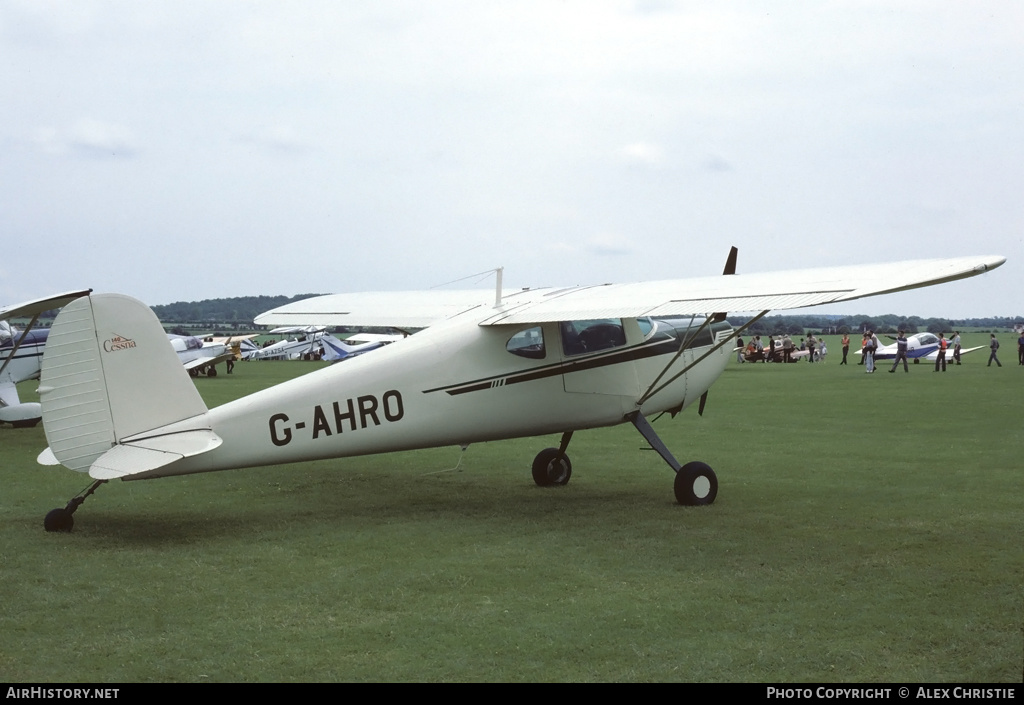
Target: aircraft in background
(920, 346)
(200, 356)
(21, 353)
(335, 350)
(306, 344)
(519, 363)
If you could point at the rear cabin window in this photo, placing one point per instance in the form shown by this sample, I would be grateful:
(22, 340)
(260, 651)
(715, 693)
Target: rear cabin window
(527, 343)
(581, 337)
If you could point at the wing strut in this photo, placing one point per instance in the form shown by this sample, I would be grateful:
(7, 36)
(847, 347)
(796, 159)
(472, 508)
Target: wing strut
(651, 391)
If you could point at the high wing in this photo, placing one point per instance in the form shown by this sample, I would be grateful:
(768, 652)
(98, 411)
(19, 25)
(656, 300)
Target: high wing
(208, 360)
(700, 296)
(37, 306)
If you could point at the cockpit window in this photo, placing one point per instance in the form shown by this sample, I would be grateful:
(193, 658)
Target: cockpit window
(646, 327)
(527, 343)
(580, 337)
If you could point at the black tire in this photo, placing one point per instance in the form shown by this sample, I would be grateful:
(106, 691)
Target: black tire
(696, 484)
(30, 423)
(211, 371)
(551, 468)
(59, 520)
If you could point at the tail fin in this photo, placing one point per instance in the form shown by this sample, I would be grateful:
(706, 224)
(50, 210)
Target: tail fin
(108, 375)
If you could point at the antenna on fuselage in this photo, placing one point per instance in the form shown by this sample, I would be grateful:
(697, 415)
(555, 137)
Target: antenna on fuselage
(497, 286)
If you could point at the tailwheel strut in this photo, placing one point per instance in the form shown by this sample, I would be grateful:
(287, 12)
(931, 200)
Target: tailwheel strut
(61, 519)
(695, 483)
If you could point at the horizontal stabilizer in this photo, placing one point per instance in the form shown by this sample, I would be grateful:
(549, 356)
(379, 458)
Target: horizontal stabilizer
(47, 457)
(143, 455)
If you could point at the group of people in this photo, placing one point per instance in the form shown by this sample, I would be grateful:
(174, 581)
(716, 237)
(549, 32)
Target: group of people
(783, 350)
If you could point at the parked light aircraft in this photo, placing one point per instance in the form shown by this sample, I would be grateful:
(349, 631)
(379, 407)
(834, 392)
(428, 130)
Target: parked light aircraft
(305, 344)
(335, 350)
(21, 353)
(198, 356)
(920, 346)
(118, 404)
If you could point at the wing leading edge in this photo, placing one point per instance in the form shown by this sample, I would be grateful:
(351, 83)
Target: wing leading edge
(737, 293)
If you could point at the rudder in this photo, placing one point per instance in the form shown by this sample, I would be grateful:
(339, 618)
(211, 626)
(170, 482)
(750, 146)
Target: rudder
(108, 373)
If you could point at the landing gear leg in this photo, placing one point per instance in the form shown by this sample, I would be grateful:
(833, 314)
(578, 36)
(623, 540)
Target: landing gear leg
(695, 483)
(552, 466)
(62, 519)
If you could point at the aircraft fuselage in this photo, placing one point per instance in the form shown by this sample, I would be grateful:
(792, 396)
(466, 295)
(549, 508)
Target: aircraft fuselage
(458, 383)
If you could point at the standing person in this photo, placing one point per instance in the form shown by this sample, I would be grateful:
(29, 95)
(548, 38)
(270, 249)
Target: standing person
(771, 349)
(994, 346)
(811, 342)
(822, 350)
(863, 349)
(1020, 349)
(758, 348)
(956, 347)
(846, 347)
(739, 350)
(901, 353)
(869, 352)
(787, 347)
(940, 359)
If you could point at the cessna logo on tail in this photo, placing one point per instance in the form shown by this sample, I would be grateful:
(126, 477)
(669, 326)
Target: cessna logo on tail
(352, 413)
(118, 343)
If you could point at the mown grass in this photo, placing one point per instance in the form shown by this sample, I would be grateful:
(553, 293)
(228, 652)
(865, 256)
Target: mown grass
(867, 528)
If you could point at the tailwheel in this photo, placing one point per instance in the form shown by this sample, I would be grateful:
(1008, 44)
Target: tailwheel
(696, 484)
(61, 519)
(551, 467)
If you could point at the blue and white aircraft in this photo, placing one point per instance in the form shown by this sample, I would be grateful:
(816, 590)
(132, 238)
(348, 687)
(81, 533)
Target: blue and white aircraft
(920, 346)
(21, 353)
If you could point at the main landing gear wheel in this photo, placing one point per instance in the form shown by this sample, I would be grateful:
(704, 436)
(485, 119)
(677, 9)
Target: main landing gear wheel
(551, 467)
(696, 484)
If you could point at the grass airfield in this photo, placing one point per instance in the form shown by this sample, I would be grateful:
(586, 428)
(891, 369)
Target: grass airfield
(867, 528)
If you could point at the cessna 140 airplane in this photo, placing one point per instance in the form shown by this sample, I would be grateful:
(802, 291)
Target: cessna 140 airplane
(117, 403)
(21, 353)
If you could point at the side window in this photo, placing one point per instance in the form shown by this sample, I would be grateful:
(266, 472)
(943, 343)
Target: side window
(527, 343)
(646, 327)
(579, 337)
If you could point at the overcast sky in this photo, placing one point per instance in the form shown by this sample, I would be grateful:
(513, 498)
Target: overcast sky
(188, 150)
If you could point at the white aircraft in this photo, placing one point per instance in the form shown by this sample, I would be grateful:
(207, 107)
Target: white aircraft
(118, 404)
(198, 356)
(336, 350)
(20, 355)
(305, 344)
(920, 346)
